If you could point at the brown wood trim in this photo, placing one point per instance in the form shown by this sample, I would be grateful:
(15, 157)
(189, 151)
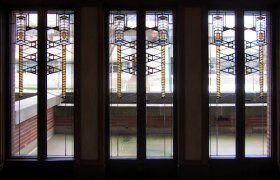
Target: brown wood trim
(277, 25)
(106, 85)
(240, 84)
(89, 169)
(2, 133)
(141, 86)
(180, 82)
(89, 72)
(101, 84)
(193, 162)
(220, 4)
(175, 84)
(77, 86)
(41, 3)
(205, 93)
(142, 4)
(42, 85)
(193, 171)
(102, 93)
(274, 61)
(123, 3)
(90, 162)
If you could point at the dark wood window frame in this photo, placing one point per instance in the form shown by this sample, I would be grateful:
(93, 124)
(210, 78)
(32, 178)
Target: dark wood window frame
(42, 88)
(141, 165)
(240, 85)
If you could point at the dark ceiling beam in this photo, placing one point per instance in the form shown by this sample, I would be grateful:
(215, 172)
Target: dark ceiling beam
(145, 3)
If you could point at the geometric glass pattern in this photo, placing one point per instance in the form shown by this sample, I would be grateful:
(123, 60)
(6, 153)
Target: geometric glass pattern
(257, 84)
(60, 83)
(24, 72)
(222, 84)
(159, 84)
(123, 84)
(222, 74)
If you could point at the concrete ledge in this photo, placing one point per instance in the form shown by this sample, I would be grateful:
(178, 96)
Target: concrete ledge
(31, 147)
(27, 108)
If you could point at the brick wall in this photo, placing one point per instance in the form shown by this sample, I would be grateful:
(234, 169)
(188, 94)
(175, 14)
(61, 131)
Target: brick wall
(64, 119)
(152, 122)
(128, 125)
(254, 116)
(26, 132)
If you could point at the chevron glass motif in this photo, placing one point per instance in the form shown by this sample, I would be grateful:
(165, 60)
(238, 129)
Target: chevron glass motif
(159, 84)
(123, 84)
(221, 65)
(60, 82)
(257, 42)
(24, 73)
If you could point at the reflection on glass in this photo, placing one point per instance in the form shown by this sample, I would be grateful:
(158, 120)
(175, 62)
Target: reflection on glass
(60, 83)
(257, 84)
(24, 73)
(122, 79)
(221, 64)
(159, 84)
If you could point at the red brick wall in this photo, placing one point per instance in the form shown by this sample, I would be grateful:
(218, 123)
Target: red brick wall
(64, 119)
(227, 121)
(152, 122)
(26, 132)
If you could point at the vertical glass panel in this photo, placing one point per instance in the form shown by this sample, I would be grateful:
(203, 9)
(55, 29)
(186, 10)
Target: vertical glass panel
(24, 73)
(221, 64)
(122, 79)
(60, 83)
(257, 84)
(159, 84)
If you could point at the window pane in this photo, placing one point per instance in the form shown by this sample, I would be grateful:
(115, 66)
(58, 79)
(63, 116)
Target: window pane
(257, 84)
(159, 84)
(60, 83)
(122, 79)
(221, 64)
(24, 73)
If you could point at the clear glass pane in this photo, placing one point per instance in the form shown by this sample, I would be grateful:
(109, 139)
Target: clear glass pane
(257, 84)
(60, 83)
(159, 84)
(123, 84)
(24, 73)
(221, 64)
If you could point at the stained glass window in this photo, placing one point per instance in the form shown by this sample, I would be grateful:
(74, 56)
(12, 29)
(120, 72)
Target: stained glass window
(257, 84)
(156, 80)
(59, 68)
(123, 84)
(60, 83)
(24, 73)
(221, 64)
(159, 84)
(222, 84)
